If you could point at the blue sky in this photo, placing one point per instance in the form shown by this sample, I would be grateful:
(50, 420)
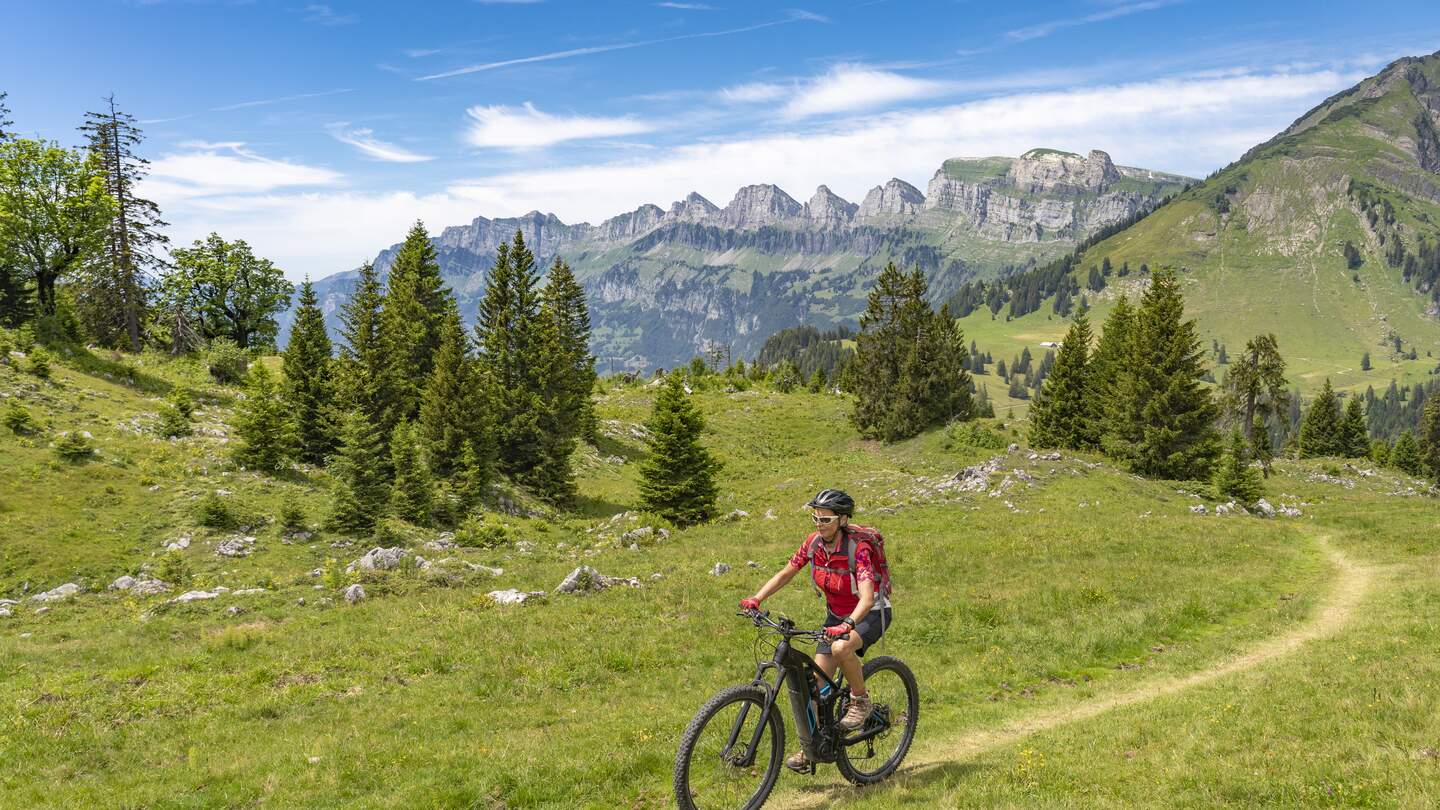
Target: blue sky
(318, 131)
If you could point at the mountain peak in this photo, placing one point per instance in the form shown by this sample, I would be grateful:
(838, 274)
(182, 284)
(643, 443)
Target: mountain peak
(828, 210)
(691, 209)
(896, 197)
(758, 205)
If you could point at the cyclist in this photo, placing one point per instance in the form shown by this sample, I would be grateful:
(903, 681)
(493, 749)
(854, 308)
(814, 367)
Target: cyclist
(854, 602)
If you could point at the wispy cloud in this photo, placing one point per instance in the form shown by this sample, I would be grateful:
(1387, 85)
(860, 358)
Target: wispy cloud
(856, 87)
(688, 6)
(1045, 29)
(208, 169)
(755, 92)
(529, 128)
(791, 17)
(322, 14)
(364, 140)
(419, 53)
(246, 104)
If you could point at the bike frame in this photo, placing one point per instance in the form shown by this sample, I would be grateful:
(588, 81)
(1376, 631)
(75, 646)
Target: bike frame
(811, 712)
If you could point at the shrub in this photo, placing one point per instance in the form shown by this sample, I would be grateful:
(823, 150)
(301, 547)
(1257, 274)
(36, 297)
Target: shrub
(214, 513)
(975, 434)
(476, 532)
(173, 568)
(73, 446)
(19, 420)
(173, 422)
(25, 338)
(227, 362)
(37, 362)
(181, 400)
(292, 519)
(334, 575)
(5, 346)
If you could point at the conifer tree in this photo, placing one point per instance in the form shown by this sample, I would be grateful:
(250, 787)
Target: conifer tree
(1429, 440)
(262, 424)
(1255, 384)
(562, 304)
(360, 492)
(1320, 431)
(113, 295)
(477, 464)
(1262, 447)
(452, 410)
(360, 374)
(410, 493)
(309, 386)
(1169, 414)
(508, 335)
(412, 318)
(677, 480)
(1380, 452)
(1234, 477)
(1405, 455)
(1354, 435)
(1062, 415)
(1106, 370)
(558, 417)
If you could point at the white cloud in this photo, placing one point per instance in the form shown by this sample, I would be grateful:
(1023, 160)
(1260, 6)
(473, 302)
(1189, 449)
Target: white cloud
(1189, 125)
(527, 127)
(217, 169)
(856, 87)
(755, 92)
(364, 140)
(321, 14)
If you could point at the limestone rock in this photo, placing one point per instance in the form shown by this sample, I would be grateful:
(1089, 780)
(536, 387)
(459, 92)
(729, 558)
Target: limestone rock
(354, 593)
(59, 594)
(895, 198)
(1264, 509)
(194, 596)
(719, 568)
(238, 546)
(586, 578)
(378, 559)
(514, 597)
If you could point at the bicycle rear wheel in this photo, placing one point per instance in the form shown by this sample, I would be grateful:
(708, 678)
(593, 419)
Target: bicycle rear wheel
(896, 698)
(707, 773)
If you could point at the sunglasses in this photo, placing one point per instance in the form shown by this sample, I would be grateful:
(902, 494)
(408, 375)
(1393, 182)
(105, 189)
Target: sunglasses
(824, 520)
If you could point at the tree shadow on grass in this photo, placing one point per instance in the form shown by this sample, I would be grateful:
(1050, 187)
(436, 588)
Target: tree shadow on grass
(900, 789)
(588, 506)
(88, 362)
(607, 446)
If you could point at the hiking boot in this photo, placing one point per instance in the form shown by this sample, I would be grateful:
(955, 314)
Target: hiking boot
(858, 713)
(798, 762)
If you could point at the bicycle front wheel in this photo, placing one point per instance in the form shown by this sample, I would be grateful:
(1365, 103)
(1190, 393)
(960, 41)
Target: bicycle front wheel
(896, 698)
(711, 772)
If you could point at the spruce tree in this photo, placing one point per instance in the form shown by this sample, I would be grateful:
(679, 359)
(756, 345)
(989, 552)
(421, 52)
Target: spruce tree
(309, 386)
(677, 480)
(1169, 415)
(452, 411)
(1429, 439)
(410, 493)
(360, 373)
(558, 417)
(1320, 431)
(1106, 369)
(262, 424)
(360, 492)
(1255, 385)
(412, 318)
(1354, 435)
(477, 465)
(1234, 477)
(562, 304)
(112, 298)
(1405, 455)
(508, 333)
(1062, 415)
(1262, 447)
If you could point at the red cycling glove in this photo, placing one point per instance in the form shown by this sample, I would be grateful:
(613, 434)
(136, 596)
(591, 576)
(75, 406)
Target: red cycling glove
(750, 604)
(838, 630)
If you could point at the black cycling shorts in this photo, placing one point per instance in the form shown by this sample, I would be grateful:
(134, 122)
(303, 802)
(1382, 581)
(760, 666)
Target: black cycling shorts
(870, 628)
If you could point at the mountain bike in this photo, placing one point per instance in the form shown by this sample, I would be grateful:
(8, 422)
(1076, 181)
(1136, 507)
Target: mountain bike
(731, 753)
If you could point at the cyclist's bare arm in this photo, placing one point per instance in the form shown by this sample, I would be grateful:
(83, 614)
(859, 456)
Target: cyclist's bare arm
(780, 580)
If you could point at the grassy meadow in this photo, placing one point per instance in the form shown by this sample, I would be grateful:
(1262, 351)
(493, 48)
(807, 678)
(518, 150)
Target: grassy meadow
(1074, 585)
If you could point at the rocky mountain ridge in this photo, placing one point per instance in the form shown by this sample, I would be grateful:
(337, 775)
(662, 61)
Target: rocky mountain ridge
(666, 282)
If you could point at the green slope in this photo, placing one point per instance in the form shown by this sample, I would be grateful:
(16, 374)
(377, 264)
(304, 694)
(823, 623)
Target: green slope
(1261, 242)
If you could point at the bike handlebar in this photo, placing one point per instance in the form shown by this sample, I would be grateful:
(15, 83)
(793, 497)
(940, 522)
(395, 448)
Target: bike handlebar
(786, 628)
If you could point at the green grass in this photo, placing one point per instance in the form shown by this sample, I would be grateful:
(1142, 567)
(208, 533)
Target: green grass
(427, 694)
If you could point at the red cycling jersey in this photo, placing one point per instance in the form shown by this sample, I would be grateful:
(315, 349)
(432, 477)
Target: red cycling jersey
(840, 592)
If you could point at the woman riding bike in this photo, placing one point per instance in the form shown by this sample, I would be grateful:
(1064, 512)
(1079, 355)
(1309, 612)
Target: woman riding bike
(855, 603)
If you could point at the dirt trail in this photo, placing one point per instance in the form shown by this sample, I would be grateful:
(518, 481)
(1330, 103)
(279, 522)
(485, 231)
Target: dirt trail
(1351, 583)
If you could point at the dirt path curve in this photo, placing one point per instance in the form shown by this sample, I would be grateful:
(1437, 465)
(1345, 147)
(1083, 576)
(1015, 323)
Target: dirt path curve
(1351, 583)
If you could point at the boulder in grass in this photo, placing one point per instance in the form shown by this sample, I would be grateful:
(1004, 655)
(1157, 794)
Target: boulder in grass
(238, 546)
(1199, 509)
(1264, 509)
(514, 597)
(194, 596)
(586, 578)
(720, 568)
(378, 559)
(59, 594)
(355, 593)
